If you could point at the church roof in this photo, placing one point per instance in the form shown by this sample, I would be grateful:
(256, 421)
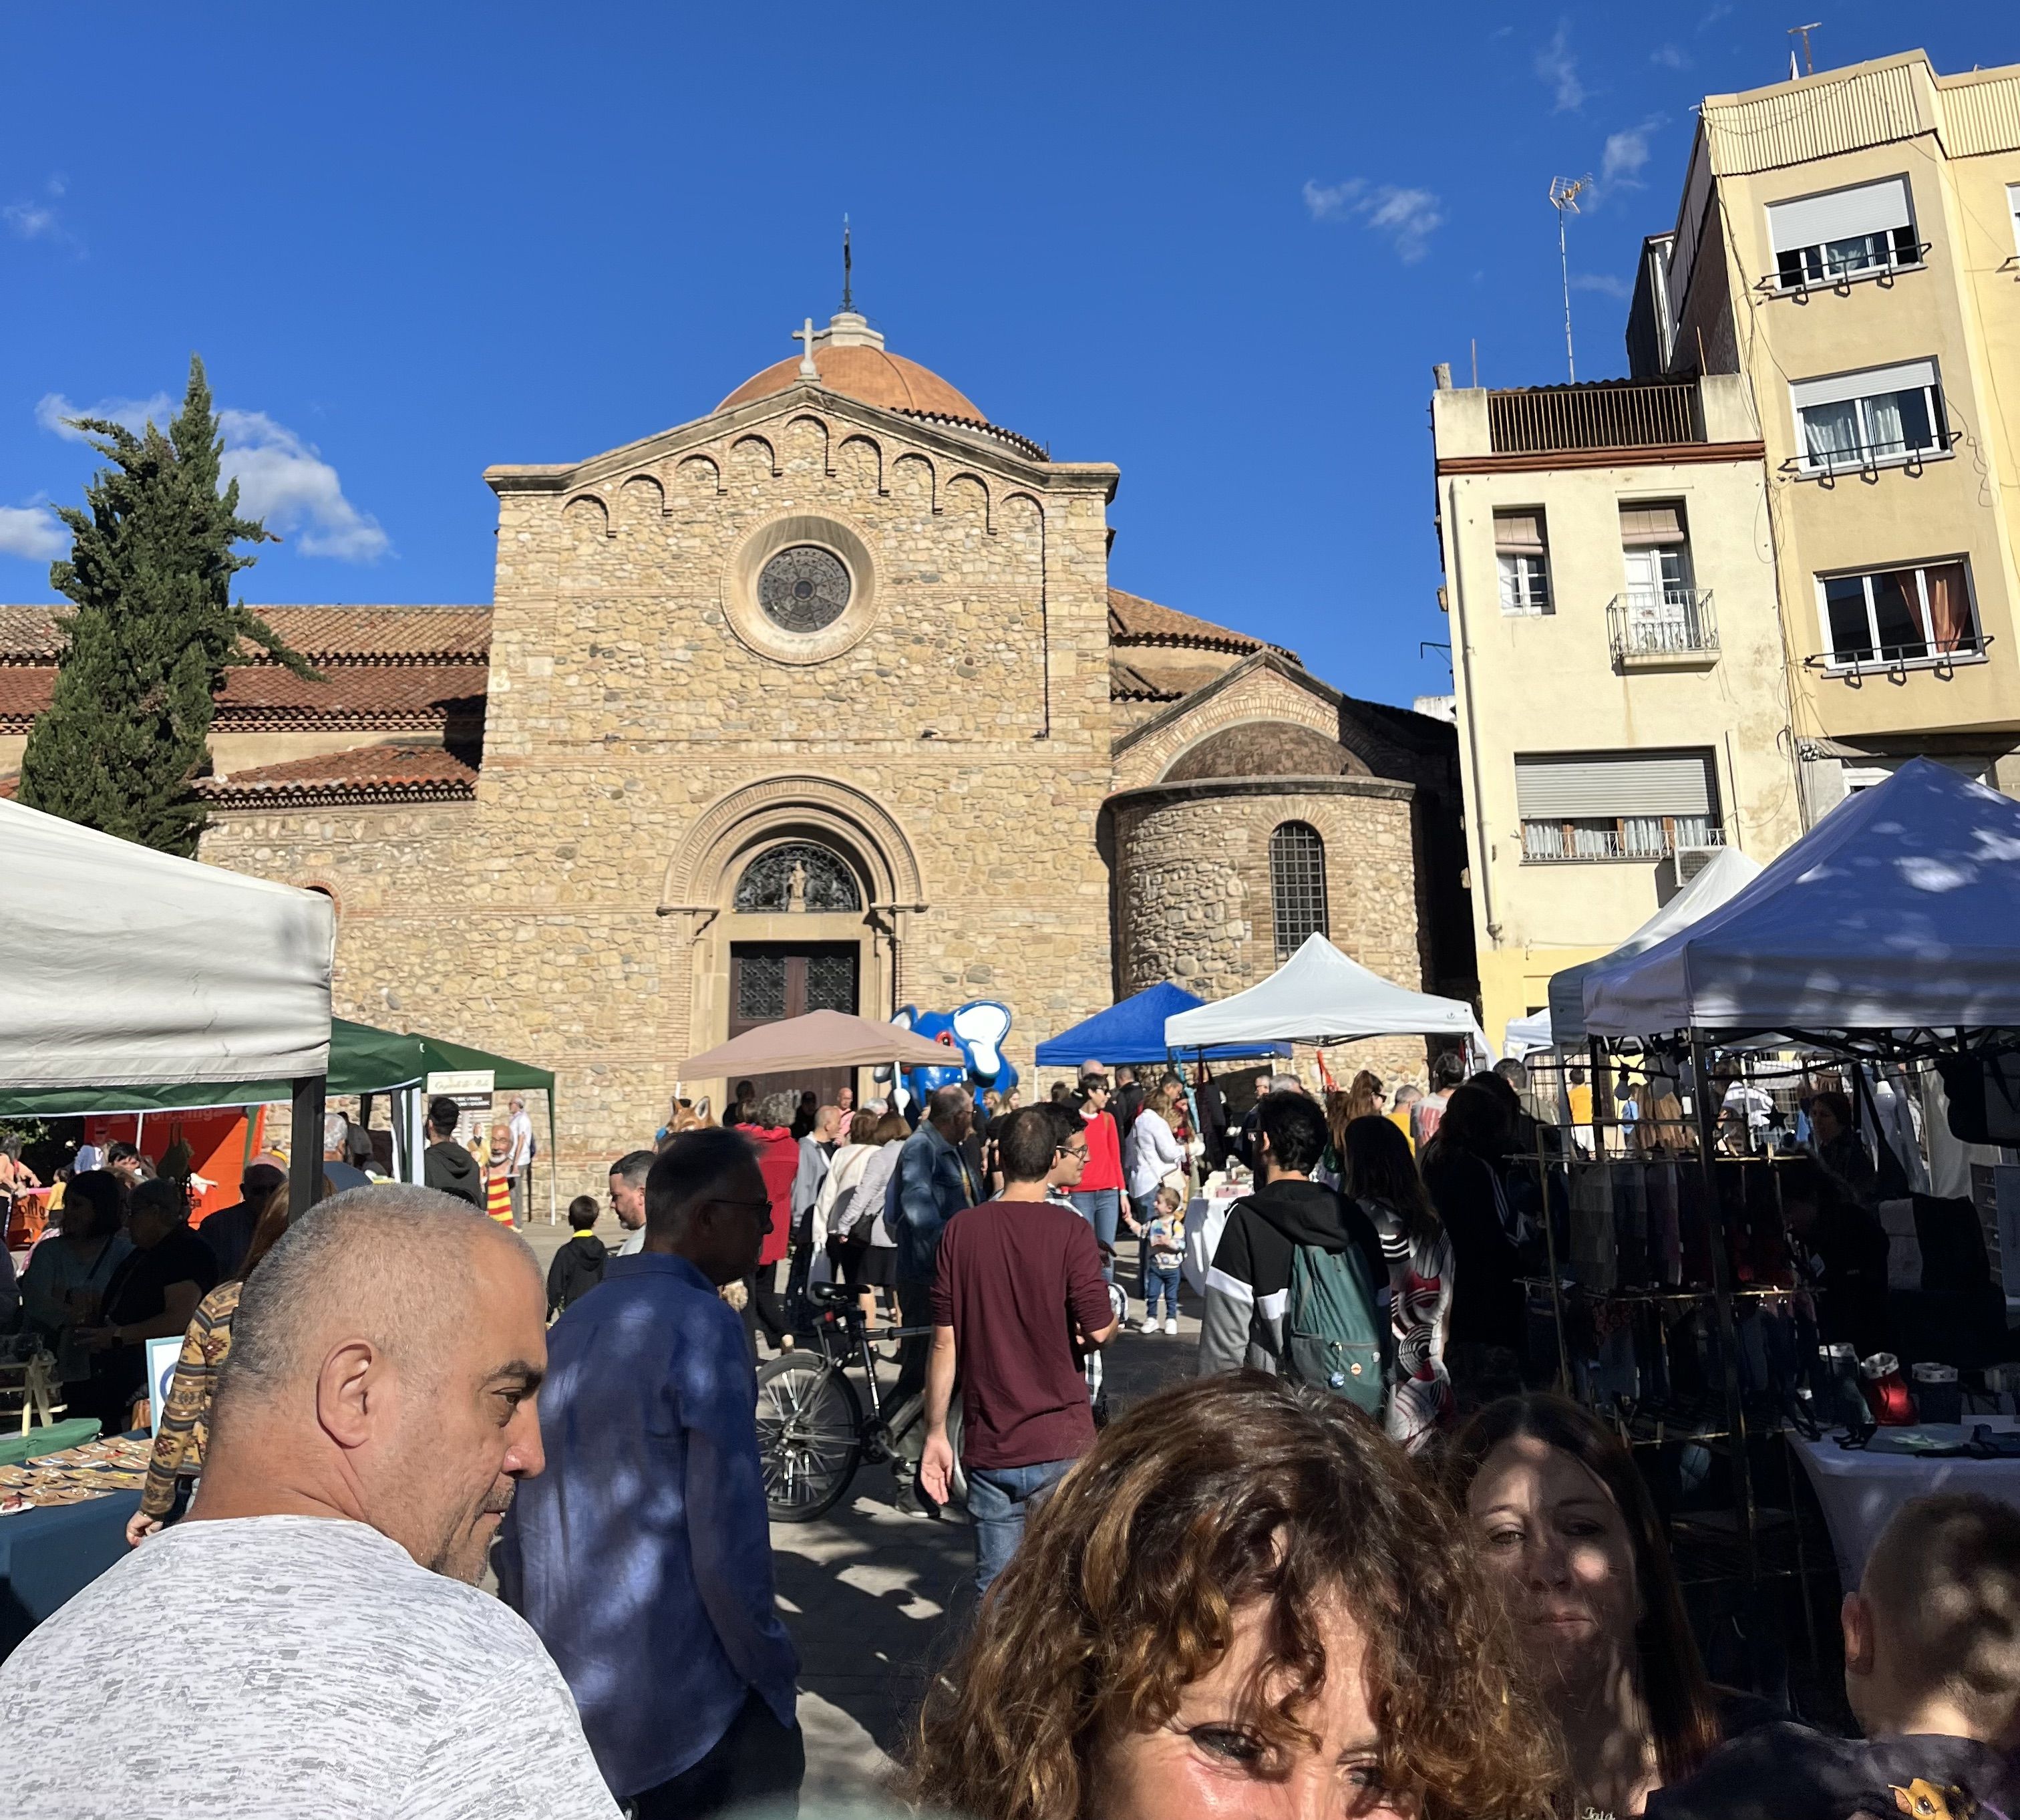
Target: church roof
(365, 774)
(1135, 622)
(871, 375)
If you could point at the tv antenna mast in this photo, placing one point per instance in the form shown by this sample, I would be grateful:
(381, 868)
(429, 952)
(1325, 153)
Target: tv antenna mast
(1802, 32)
(1564, 193)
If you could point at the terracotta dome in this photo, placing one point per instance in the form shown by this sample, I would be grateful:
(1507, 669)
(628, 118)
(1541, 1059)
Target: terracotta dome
(868, 373)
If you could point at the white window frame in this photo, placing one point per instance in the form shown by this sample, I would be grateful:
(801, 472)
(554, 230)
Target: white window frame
(1860, 389)
(1815, 275)
(1524, 583)
(1837, 666)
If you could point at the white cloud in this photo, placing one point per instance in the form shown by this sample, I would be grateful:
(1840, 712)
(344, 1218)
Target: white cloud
(1626, 155)
(53, 411)
(283, 480)
(1604, 282)
(1555, 65)
(32, 532)
(1669, 57)
(1409, 217)
(35, 219)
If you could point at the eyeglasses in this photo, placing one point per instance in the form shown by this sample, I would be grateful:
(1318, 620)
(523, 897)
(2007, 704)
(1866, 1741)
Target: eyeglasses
(1078, 1151)
(757, 1206)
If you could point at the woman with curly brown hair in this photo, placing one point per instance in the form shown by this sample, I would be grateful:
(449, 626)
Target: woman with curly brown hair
(1241, 1600)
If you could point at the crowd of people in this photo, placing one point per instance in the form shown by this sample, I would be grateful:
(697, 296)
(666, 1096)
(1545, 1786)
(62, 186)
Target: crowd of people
(1354, 1566)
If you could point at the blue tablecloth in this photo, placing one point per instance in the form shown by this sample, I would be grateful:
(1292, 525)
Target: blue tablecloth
(48, 1556)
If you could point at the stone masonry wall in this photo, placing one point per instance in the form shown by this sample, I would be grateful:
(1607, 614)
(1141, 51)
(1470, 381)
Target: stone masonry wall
(622, 704)
(1194, 869)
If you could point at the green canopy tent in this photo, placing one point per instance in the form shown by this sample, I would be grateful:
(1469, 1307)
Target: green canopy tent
(363, 1060)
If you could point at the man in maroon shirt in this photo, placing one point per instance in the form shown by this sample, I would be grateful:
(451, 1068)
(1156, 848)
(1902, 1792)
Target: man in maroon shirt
(1017, 1286)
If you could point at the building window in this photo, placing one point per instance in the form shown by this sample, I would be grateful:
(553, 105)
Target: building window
(1844, 233)
(799, 875)
(1616, 806)
(1297, 886)
(2013, 209)
(1661, 609)
(804, 588)
(1898, 616)
(1866, 419)
(1524, 559)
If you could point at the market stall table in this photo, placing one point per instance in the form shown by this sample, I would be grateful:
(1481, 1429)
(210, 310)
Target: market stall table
(71, 1533)
(1206, 1217)
(1860, 1489)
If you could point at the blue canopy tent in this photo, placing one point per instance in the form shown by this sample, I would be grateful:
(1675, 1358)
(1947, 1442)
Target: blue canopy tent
(1133, 1031)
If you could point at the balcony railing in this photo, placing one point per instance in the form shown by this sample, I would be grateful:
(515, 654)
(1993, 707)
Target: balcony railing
(1542, 420)
(1860, 661)
(1633, 837)
(1675, 629)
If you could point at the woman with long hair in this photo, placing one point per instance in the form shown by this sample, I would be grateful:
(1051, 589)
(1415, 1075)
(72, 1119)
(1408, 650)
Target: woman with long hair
(1565, 1527)
(1488, 1310)
(1150, 1152)
(63, 1287)
(1379, 1174)
(1242, 1600)
(185, 1424)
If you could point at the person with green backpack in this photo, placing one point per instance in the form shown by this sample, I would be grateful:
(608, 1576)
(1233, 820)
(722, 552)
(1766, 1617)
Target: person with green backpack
(1292, 1289)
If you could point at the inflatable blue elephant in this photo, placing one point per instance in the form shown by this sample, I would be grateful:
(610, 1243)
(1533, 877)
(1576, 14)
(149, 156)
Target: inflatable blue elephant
(974, 1036)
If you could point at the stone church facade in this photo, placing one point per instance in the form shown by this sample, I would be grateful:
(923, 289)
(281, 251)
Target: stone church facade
(822, 698)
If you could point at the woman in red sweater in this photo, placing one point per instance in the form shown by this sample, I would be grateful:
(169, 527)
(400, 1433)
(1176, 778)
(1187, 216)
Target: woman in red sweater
(1100, 1196)
(769, 1129)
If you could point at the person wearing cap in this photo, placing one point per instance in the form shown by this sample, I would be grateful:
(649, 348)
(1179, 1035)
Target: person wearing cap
(1099, 1196)
(229, 1231)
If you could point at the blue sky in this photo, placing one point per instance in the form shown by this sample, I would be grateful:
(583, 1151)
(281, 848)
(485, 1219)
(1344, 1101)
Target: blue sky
(1220, 246)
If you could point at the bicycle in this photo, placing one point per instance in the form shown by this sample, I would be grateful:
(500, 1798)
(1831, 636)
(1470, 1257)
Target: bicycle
(812, 1433)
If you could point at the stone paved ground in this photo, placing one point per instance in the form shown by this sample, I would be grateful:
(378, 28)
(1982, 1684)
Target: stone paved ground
(874, 1597)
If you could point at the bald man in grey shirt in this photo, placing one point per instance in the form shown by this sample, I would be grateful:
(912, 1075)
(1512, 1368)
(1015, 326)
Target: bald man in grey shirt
(309, 1641)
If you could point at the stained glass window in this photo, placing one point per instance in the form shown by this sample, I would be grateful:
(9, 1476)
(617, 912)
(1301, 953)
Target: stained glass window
(826, 882)
(803, 589)
(1297, 886)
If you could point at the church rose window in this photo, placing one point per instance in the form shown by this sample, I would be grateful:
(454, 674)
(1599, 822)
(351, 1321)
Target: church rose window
(1297, 886)
(803, 589)
(800, 870)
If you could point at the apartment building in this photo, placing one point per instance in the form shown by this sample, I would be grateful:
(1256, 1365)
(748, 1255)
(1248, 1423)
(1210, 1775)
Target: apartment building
(1848, 245)
(1620, 690)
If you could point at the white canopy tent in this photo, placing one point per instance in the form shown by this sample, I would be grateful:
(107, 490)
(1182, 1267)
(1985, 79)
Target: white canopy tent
(1319, 996)
(125, 967)
(1728, 872)
(1895, 912)
(1524, 1035)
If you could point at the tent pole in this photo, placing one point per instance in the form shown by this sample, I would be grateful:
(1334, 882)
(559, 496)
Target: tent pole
(1721, 1283)
(305, 1140)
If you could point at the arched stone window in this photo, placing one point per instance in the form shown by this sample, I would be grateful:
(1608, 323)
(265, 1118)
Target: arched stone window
(801, 875)
(1297, 886)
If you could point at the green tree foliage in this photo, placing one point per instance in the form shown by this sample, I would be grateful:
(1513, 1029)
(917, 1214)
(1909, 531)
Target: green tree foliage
(153, 632)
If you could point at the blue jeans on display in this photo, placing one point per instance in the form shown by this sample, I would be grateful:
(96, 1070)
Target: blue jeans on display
(1102, 1209)
(1155, 1280)
(999, 1498)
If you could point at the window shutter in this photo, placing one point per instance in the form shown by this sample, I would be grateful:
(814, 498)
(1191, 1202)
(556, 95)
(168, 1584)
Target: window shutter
(1575, 786)
(1840, 215)
(1642, 525)
(1910, 376)
(1518, 534)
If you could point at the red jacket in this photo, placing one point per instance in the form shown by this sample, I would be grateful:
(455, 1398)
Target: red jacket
(1104, 1153)
(778, 1161)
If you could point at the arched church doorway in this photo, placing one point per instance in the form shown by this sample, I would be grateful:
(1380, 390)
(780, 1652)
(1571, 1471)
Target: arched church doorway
(771, 979)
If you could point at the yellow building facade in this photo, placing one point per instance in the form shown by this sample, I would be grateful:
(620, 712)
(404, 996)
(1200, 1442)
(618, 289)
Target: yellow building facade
(1621, 696)
(1849, 245)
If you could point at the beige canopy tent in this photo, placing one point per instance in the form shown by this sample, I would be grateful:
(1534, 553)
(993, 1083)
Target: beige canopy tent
(819, 1040)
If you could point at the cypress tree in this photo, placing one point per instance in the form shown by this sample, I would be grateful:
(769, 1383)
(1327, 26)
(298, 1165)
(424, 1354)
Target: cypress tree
(153, 632)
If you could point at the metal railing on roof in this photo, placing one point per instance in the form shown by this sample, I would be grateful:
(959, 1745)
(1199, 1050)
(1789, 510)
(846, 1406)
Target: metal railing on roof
(1545, 418)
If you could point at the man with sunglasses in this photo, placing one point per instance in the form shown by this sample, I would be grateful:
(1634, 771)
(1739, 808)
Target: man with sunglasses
(641, 1555)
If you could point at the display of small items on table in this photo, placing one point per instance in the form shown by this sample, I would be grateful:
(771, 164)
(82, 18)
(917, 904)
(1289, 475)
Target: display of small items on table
(119, 1463)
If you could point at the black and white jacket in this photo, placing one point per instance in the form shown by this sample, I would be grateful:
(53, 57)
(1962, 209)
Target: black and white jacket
(1248, 1285)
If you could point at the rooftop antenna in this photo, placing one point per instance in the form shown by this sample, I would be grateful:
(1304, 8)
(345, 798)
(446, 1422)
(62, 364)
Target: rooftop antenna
(1802, 32)
(1564, 193)
(847, 287)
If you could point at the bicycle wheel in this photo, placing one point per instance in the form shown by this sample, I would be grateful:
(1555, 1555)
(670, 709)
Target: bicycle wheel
(809, 1436)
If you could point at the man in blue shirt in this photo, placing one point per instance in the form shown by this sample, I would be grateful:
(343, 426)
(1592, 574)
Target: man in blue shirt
(933, 1181)
(641, 1555)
